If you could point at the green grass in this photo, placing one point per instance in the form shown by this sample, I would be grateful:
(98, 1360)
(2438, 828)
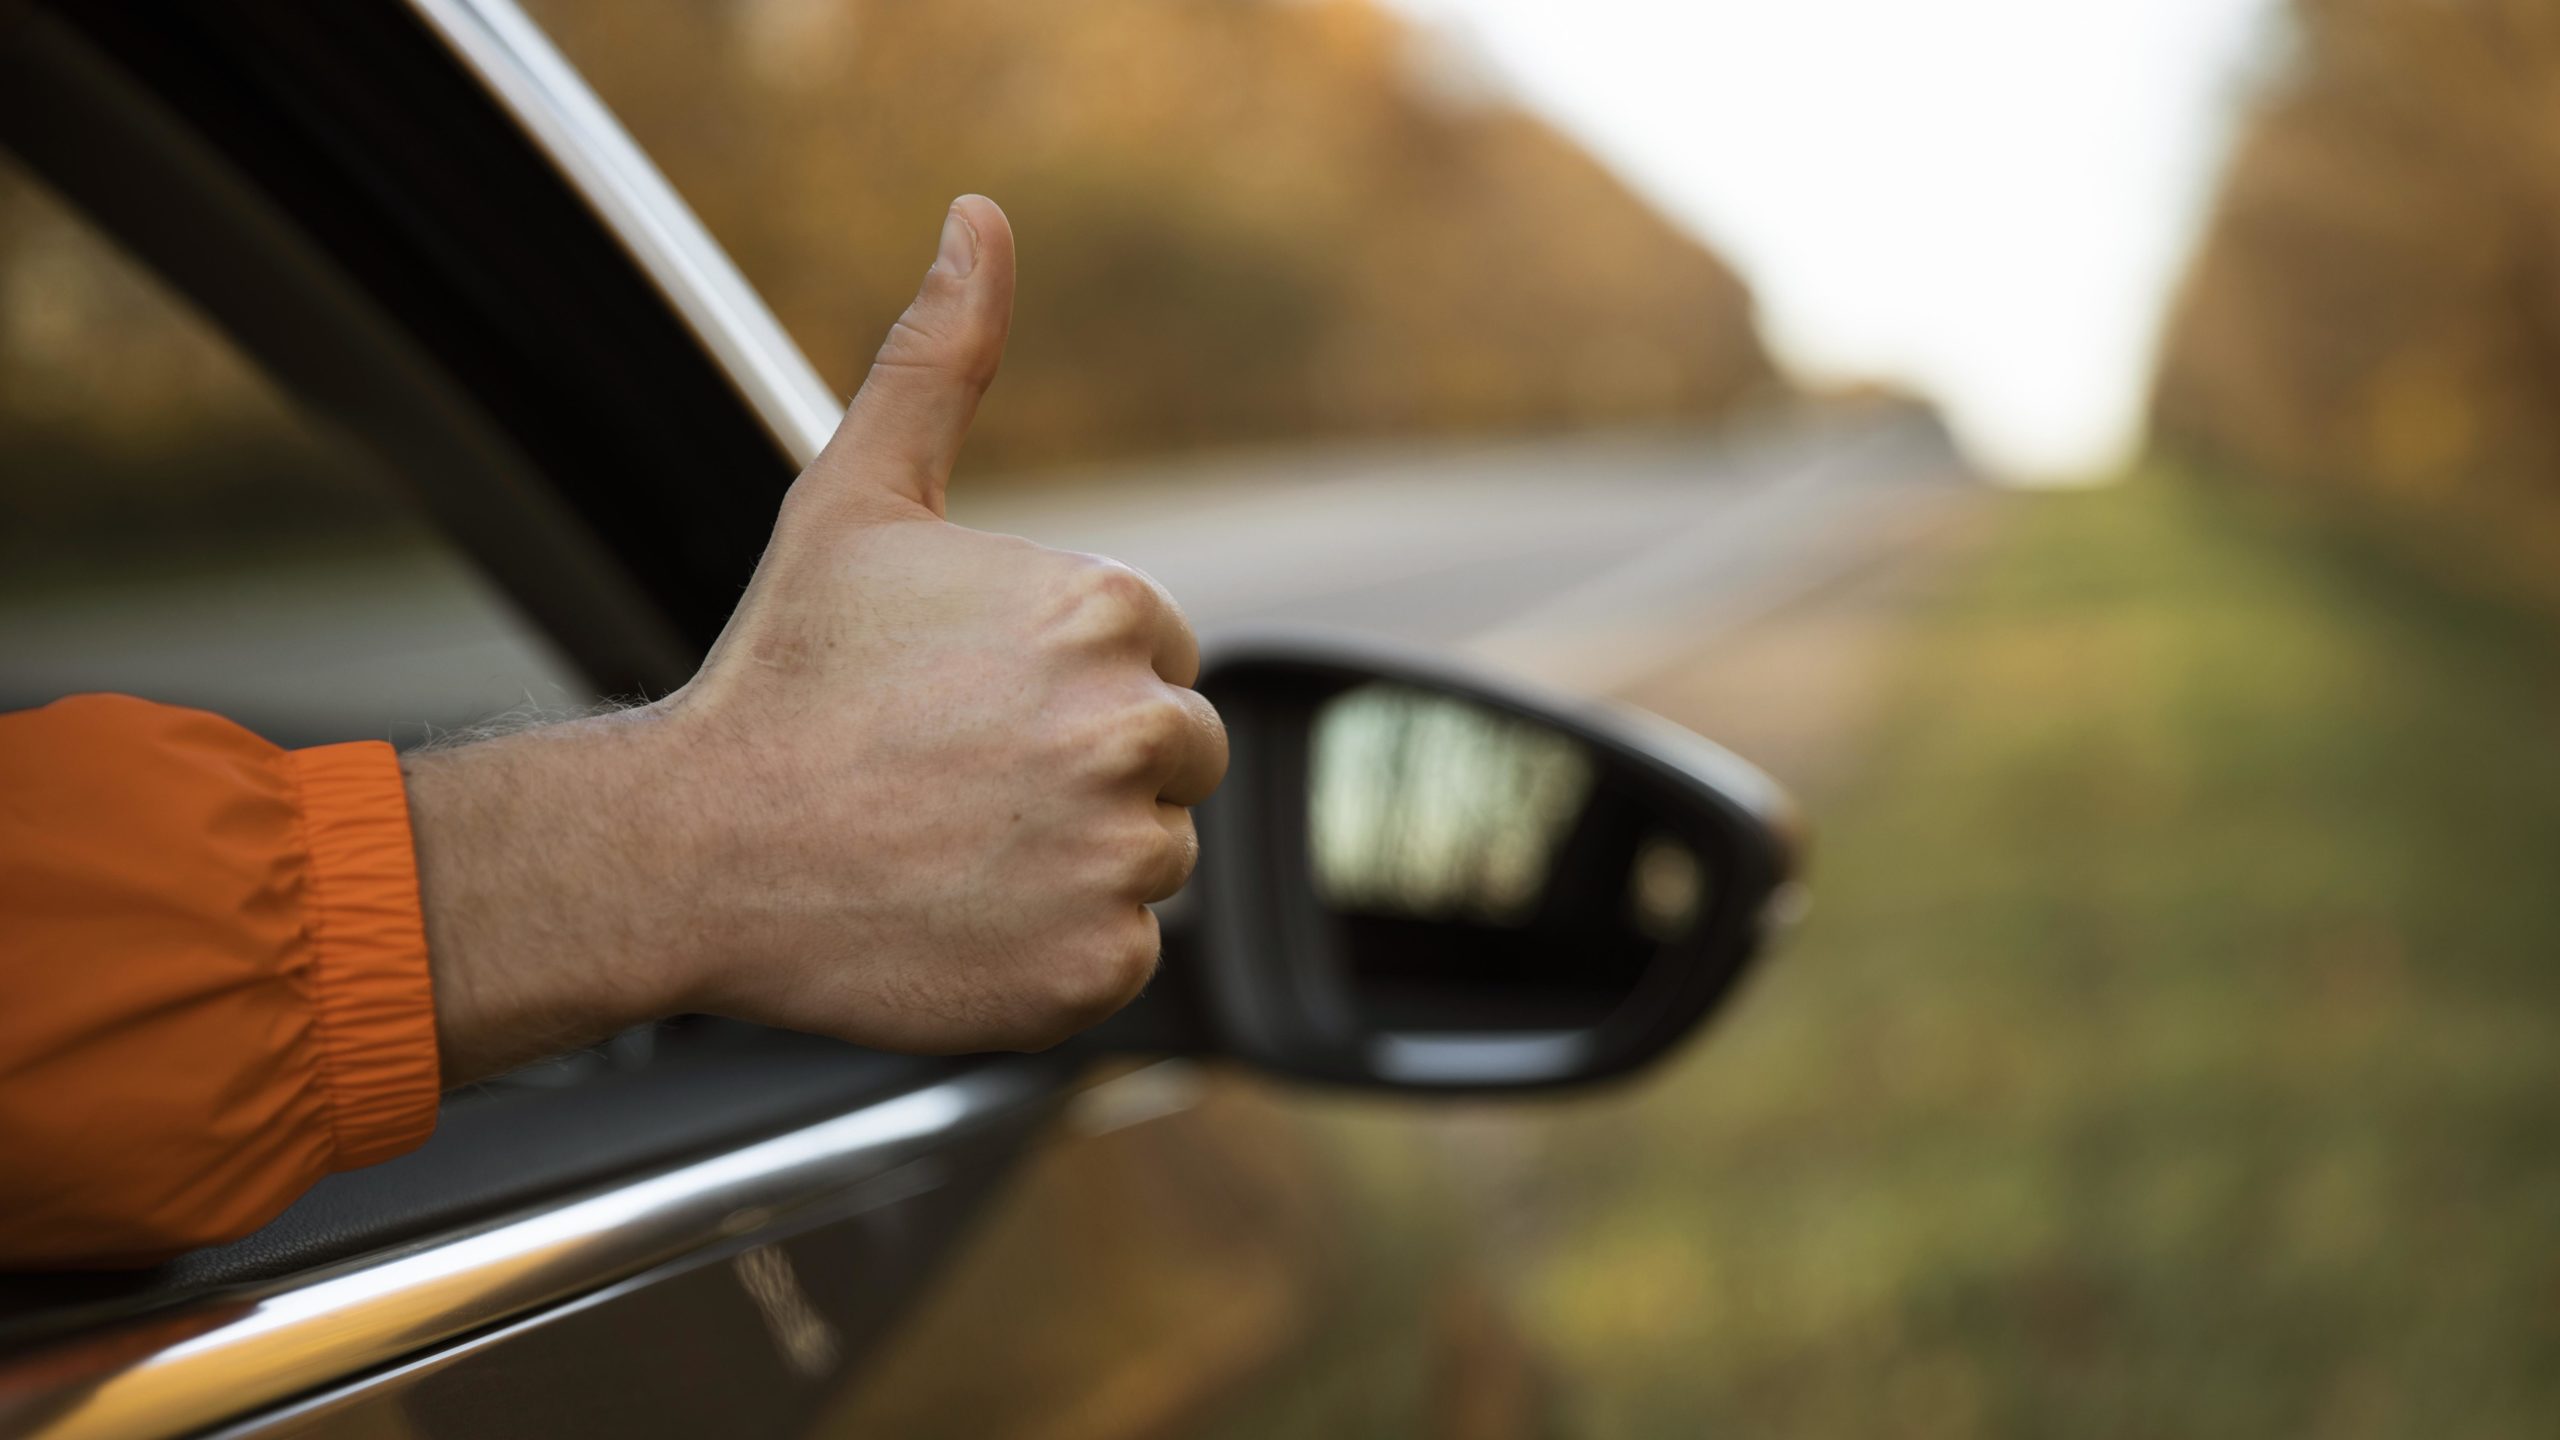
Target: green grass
(2175, 1049)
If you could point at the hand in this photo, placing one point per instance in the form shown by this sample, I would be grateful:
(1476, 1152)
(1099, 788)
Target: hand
(918, 796)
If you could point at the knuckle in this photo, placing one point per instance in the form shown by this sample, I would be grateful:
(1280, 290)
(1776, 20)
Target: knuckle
(1145, 858)
(937, 349)
(1182, 855)
(1213, 738)
(1130, 961)
(1145, 739)
(913, 336)
(1122, 594)
(1163, 726)
(1094, 983)
(917, 340)
(1108, 601)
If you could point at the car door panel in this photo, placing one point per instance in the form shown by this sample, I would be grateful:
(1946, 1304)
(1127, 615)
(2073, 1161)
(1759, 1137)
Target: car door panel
(753, 1336)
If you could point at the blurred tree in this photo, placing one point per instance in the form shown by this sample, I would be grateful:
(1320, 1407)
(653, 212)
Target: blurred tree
(2376, 305)
(1239, 219)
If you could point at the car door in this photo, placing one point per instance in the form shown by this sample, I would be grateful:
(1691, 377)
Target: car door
(491, 329)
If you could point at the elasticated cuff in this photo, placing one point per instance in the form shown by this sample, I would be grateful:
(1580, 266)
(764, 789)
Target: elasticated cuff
(377, 1009)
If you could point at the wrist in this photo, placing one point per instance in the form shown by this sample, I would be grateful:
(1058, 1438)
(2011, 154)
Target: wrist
(551, 871)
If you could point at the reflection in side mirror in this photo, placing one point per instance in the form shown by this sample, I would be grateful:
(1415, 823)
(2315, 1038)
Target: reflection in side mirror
(1477, 874)
(1419, 878)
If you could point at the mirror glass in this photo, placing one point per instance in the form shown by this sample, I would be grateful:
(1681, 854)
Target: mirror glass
(1482, 871)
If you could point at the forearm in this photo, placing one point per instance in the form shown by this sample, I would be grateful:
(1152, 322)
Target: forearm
(551, 887)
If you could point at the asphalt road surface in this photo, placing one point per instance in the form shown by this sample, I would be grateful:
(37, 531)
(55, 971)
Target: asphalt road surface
(1578, 561)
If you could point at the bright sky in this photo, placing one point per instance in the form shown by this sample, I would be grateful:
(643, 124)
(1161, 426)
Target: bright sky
(1989, 200)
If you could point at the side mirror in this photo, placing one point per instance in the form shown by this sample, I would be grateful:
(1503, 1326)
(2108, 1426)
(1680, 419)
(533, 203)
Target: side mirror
(1419, 878)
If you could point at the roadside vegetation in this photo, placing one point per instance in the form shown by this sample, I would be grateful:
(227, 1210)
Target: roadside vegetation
(2169, 1052)
(2373, 314)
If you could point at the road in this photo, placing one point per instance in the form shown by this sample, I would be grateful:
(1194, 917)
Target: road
(1582, 561)
(1579, 561)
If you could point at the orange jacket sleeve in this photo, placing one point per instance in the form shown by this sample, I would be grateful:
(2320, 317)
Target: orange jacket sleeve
(213, 978)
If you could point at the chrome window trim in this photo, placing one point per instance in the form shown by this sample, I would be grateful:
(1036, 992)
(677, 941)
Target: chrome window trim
(222, 1357)
(529, 78)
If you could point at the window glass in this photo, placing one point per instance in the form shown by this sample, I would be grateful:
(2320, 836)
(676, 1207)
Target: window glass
(172, 527)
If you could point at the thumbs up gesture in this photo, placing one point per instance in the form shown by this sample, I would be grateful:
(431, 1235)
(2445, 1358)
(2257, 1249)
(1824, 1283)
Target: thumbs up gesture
(918, 796)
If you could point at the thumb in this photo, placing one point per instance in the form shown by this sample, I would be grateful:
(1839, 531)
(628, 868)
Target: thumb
(900, 437)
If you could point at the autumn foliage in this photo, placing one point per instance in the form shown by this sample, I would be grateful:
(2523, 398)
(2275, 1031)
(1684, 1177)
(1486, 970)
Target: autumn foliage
(2375, 308)
(1238, 219)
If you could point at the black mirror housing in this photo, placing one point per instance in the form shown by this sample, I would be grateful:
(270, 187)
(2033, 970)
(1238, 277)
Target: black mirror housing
(1419, 878)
